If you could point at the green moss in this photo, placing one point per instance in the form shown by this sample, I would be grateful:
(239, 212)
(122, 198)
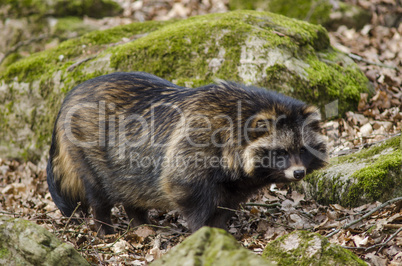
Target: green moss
(328, 80)
(60, 8)
(351, 16)
(242, 4)
(327, 190)
(10, 59)
(42, 65)
(17, 9)
(91, 8)
(210, 246)
(290, 257)
(313, 11)
(392, 143)
(169, 48)
(371, 229)
(377, 180)
(336, 253)
(308, 249)
(372, 174)
(4, 253)
(67, 25)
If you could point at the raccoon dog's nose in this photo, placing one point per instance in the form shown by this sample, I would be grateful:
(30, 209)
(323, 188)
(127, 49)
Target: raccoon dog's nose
(299, 174)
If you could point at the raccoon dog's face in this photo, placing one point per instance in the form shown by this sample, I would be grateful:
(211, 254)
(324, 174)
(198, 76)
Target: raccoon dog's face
(284, 146)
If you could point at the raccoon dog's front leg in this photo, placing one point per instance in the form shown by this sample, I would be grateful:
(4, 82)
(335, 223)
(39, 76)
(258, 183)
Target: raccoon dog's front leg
(102, 219)
(219, 218)
(199, 203)
(136, 216)
(204, 214)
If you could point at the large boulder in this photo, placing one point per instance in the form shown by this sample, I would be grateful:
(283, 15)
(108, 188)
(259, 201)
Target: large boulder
(259, 48)
(58, 8)
(373, 174)
(31, 26)
(306, 248)
(210, 246)
(329, 13)
(26, 243)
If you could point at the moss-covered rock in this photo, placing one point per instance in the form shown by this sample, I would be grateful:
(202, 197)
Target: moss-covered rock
(373, 174)
(32, 25)
(22, 36)
(259, 48)
(26, 243)
(328, 13)
(210, 246)
(58, 8)
(351, 16)
(312, 11)
(305, 248)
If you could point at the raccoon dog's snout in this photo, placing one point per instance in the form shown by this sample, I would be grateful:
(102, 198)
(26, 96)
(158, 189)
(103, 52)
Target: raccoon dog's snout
(299, 174)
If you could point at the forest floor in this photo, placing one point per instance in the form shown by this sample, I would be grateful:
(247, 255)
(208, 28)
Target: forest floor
(377, 238)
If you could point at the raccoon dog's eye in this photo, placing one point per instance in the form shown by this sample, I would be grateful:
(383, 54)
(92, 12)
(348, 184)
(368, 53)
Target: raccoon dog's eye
(303, 150)
(281, 152)
(262, 124)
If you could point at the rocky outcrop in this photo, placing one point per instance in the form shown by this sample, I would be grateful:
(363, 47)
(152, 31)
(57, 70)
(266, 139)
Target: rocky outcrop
(259, 48)
(26, 243)
(329, 13)
(373, 174)
(30, 26)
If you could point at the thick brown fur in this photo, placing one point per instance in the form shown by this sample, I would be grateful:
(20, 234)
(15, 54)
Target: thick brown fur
(139, 140)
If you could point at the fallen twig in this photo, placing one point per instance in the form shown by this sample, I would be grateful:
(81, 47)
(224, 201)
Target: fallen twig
(393, 226)
(92, 246)
(263, 205)
(71, 68)
(365, 216)
(389, 239)
(381, 245)
(71, 216)
(359, 58)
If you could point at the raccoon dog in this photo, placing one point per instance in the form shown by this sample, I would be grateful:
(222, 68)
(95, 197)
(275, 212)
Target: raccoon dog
(139, 140)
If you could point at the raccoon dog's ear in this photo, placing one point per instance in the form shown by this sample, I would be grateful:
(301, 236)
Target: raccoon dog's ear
(261, 127)
(312, 117)
(310, 110)
(263, 124)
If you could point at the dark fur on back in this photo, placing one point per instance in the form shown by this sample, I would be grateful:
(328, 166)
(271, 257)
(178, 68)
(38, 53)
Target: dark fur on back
(139, 140)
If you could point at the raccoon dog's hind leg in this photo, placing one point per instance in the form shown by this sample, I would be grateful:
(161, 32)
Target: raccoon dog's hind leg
(65, 204)
(97, 199)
